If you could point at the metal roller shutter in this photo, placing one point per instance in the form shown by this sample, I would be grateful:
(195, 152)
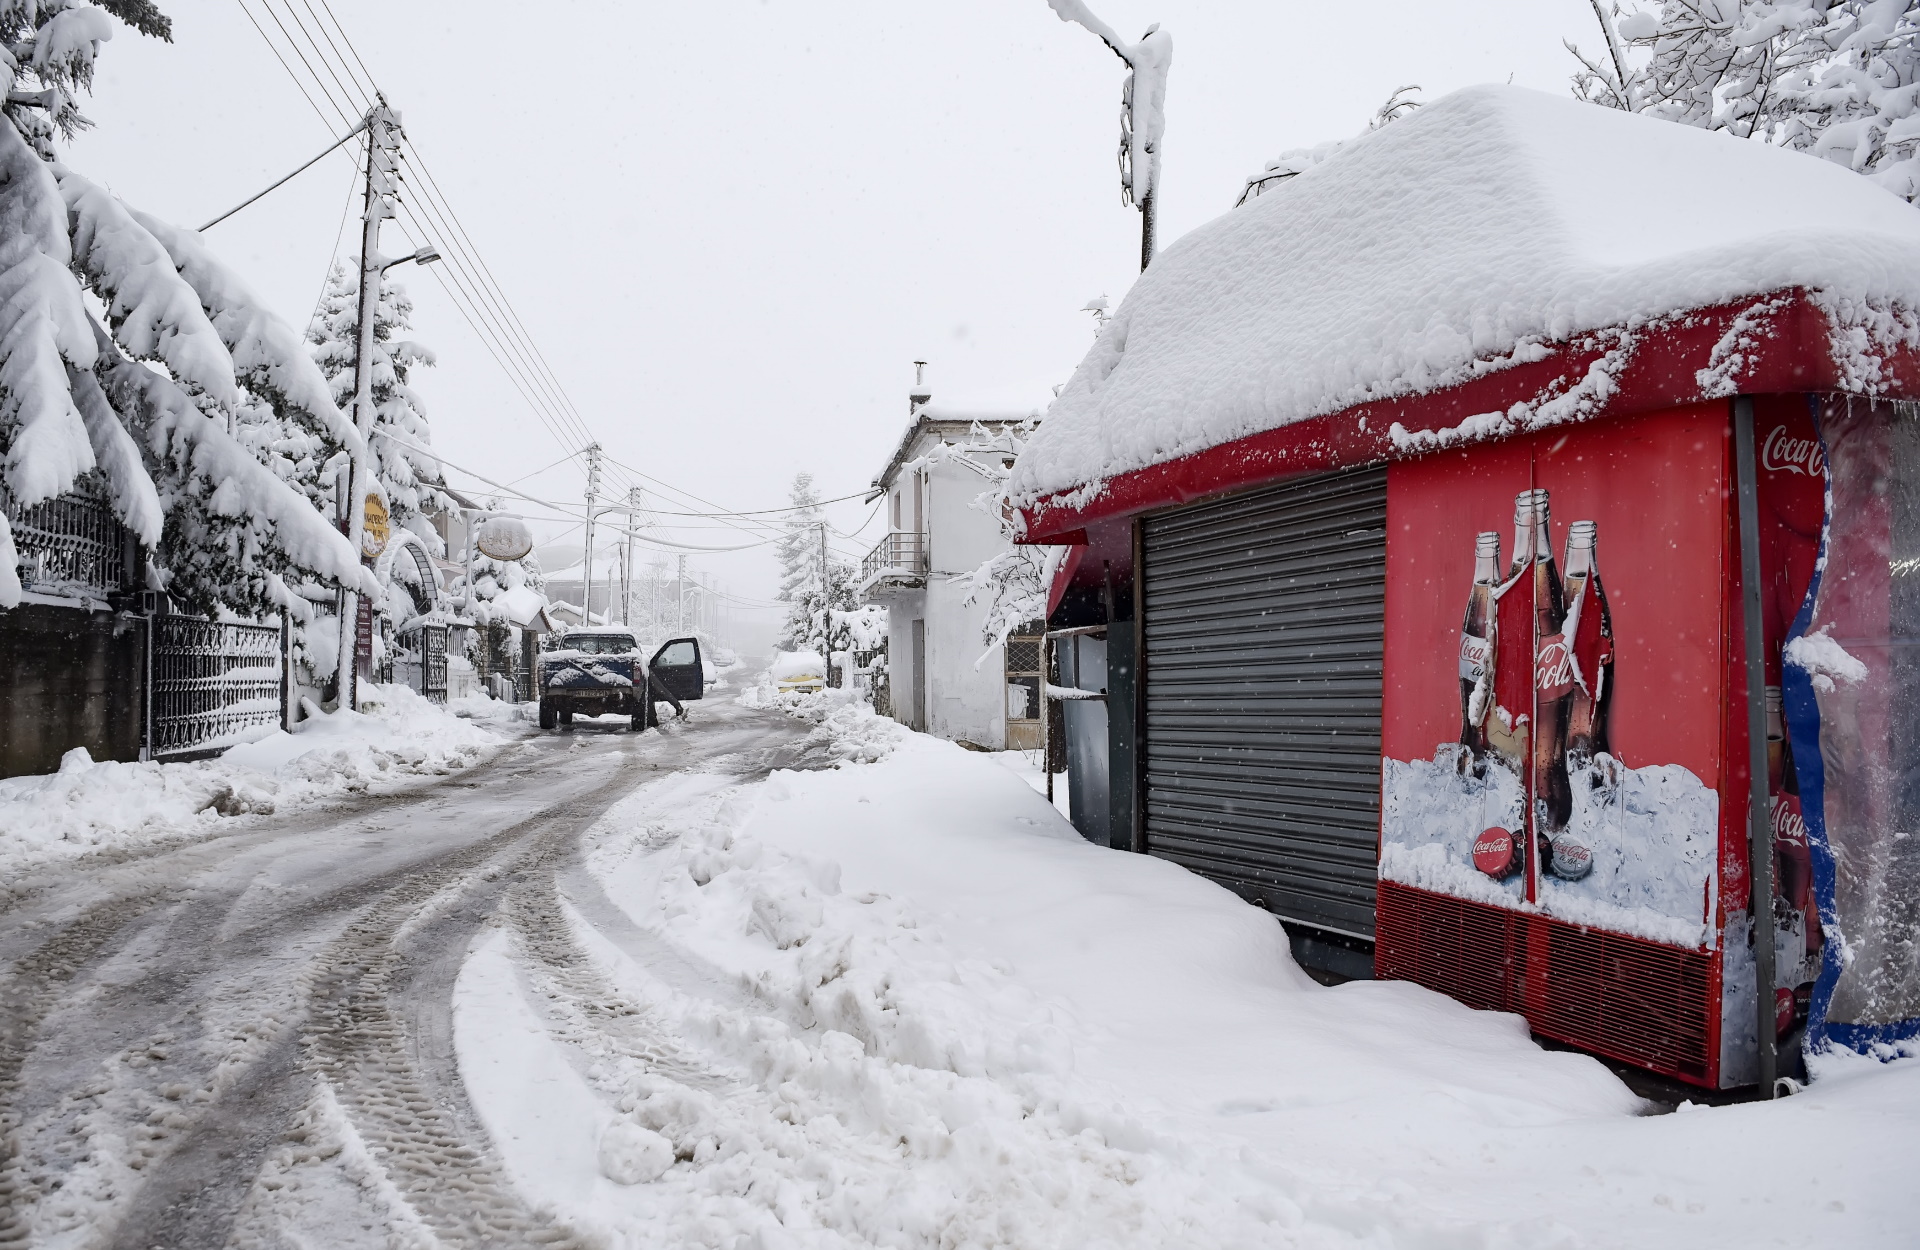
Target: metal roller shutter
(1264, 615)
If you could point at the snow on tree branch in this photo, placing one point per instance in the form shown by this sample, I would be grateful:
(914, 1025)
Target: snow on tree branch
(154, 314)
(1837, 78)
(268, 356)
(231, 523)
(180, 422)
(43, 329)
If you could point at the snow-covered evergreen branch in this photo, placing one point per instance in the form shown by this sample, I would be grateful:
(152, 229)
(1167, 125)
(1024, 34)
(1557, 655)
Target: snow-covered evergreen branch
(149, 408)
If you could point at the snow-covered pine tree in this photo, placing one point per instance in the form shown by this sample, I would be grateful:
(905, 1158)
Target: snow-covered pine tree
(409, 479)
(1837, 78)
(811, 599)
(80, 408)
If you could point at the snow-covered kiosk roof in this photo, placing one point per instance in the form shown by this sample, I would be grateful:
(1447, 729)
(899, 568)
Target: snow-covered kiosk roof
(1503, 259)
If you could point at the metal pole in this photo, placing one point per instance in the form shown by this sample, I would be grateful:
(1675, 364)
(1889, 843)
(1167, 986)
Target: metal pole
(286, 672)
(1146, 230)
(1759, 825)
(586, 575)
(382, 123)
(626, 563)
(1046, 713)
(680, 598)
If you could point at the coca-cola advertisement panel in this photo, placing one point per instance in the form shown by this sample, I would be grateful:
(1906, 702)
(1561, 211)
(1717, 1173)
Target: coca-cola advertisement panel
(1555, 674)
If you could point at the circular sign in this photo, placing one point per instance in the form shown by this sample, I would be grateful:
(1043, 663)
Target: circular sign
(1572, 858)
(504, 538)
(373, 532)
(1493, 854)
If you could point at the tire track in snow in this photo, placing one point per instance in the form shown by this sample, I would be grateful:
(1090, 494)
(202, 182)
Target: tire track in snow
(29, 993)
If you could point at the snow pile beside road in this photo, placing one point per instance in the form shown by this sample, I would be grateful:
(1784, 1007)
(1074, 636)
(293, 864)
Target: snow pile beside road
(848, 728)
(88, 805)
(905, 1005)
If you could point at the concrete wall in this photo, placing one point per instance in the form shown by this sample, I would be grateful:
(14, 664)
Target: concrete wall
(69, 678)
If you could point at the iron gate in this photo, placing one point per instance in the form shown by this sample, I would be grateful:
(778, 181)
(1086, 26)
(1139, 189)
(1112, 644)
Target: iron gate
(433, 662)
(214, 684)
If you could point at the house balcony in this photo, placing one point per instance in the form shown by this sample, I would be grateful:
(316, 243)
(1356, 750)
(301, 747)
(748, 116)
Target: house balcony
(897, 562)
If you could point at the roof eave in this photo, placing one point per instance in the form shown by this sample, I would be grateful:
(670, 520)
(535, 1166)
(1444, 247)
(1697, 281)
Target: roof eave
(1784, 344)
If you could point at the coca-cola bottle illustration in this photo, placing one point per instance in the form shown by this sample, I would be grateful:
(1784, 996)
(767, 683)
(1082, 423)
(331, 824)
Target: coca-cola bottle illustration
(1576, 668)
(1589, 631)
(1796, 914)
(1553, 688)
(1507, 725)
(1476, 651)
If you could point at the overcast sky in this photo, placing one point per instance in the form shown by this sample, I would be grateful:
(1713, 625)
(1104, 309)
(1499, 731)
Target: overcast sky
(730, 226)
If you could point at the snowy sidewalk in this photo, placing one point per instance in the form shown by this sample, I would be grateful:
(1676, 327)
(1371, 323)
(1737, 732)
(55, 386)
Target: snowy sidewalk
(92, 805)
(902, 1003)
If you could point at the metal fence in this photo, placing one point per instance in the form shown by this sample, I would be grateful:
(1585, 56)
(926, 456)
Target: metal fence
(213, 684)
(433, 662)
(70, 543)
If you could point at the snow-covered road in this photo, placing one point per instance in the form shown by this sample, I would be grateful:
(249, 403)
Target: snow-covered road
(247, 1039)
(696, 989)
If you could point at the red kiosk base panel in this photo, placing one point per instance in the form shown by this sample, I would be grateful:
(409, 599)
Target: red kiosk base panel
(1641, 1002)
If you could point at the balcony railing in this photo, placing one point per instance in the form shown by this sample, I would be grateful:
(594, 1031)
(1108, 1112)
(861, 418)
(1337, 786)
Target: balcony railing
(899, 554)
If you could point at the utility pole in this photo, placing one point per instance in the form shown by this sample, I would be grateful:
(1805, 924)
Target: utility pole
(626, 560)
(680, 597)
(826, 602)
(383, 147)
(586, 566)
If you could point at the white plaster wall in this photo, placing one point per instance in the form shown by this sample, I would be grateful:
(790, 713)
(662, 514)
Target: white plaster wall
(963, 536)
(964, 702)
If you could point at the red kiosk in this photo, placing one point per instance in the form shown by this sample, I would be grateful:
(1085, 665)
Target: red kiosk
(1500, 532)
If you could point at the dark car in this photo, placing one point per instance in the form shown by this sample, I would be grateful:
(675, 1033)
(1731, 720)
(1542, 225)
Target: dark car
(599, 672)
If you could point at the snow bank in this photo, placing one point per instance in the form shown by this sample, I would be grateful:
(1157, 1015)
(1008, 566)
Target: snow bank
(848, 730)
(906, 1005)
(1459, 240)
(88, 806)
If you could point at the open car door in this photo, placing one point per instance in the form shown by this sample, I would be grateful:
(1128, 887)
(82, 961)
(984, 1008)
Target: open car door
(676, 670)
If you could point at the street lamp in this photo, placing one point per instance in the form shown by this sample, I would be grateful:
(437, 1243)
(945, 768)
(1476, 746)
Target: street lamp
(425, 254)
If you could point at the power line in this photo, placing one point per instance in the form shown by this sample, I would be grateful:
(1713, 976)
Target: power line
(477, 305)
(434, 200)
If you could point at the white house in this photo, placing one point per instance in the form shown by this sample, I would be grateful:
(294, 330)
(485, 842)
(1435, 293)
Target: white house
(943, 678)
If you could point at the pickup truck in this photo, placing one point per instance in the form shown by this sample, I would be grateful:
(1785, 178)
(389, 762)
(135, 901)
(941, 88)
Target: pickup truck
(600, 671)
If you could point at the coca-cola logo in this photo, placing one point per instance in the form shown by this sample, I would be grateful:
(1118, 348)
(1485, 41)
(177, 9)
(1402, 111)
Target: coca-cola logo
(1554, 669)
(1789, 826)
(1783, 453)
(1493, 853)
(1474, 654)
